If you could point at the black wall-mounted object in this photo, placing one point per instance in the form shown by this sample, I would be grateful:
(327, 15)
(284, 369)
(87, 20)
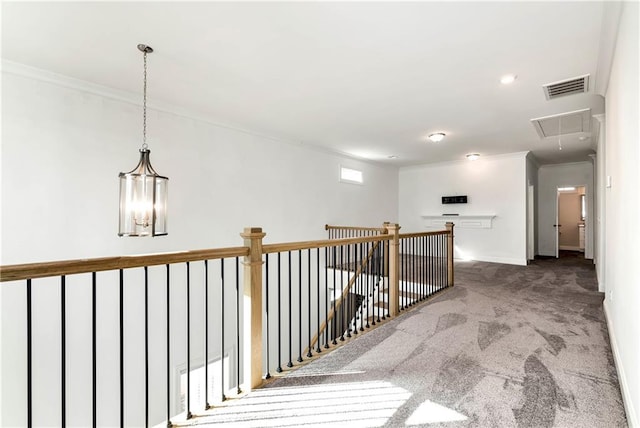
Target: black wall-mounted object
(454, 199)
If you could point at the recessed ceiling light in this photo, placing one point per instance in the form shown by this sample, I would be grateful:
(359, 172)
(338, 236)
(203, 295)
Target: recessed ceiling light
(473, 156)
(437, 137)
(583, 138)
(392, 157)
(508, 79)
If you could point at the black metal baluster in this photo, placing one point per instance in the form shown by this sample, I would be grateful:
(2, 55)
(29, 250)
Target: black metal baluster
(403, 274)
(443, 262)
(346, 320)
(368, 292)
(29, 355)
(318, 350)
(410, 279)
(63, 351)
(335, 288)
(408, 269)
(222, 305)
(355, 287)
(121, 308)
(363, 282)
(421, 242)
(299, 306)
(431, 264)
(279, 368)
(379, 281)
(146, 346)
(435, 262)
(168, 353)
(290, 363)
(373, 273)
(414, 270)
(94, 354)
(266, 308)
(342, 305)
(238, 326)
(309, 355)
(425, 267)
(350, 302)
(206, 335)
(326, 300)
(439, 262)
(386, 280)
(445, 273)
(189, 415)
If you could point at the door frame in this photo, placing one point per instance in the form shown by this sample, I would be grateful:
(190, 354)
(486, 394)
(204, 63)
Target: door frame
(586, 219)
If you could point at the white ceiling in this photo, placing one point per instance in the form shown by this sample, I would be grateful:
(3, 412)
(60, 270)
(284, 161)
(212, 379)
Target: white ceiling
(367, 79)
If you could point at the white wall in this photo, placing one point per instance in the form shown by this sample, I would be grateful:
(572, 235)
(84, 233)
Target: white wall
(494, 185)
(622, 205)
(62, 150)
(550, 177)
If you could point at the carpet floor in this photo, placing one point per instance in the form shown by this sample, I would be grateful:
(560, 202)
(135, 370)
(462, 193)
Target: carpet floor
(508, 346)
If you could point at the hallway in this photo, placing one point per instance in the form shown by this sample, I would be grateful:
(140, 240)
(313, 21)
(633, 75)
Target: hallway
(507, 346)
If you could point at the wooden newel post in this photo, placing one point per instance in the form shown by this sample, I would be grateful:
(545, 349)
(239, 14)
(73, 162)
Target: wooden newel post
(394, 269)
(252, 309)
(450, 254)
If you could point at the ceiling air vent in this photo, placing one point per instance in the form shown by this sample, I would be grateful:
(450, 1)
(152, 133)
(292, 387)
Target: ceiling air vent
(576, 85)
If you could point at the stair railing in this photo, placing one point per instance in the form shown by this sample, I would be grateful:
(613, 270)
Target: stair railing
(218, 320)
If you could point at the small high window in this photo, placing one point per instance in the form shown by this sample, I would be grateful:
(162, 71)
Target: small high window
(348, 175)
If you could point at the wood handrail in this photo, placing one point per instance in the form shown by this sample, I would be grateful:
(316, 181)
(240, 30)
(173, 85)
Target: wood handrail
(71, 267)
(376, 229)
(421, 234)
(305, 245)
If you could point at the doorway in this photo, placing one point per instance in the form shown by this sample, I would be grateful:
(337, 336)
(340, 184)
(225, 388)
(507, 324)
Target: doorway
(571, 220)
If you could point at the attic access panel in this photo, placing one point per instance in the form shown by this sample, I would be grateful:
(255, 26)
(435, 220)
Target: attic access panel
(563, 124)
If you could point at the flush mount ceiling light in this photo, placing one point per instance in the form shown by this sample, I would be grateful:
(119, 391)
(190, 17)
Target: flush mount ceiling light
(437, 137)
(143, 192)
(508, 79)
(473, 156)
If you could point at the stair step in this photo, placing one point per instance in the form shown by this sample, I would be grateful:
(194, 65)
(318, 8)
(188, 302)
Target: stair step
(405, 295)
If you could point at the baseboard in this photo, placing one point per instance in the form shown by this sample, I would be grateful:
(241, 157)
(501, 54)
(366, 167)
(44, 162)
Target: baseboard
(632, 419)
(503, 260)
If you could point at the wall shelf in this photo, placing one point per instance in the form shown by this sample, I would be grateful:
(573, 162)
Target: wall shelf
(467, 221)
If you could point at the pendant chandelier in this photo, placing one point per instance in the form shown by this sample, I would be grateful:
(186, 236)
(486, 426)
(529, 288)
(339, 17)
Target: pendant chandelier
(143, 192)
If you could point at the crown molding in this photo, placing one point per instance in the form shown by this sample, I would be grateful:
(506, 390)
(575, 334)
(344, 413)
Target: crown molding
(514, 155)
(57, 79)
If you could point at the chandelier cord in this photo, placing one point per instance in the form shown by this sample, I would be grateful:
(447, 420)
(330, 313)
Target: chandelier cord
(144, 106)
(560, 133)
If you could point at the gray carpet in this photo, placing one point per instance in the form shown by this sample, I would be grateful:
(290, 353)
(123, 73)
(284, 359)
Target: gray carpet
(508, 346)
